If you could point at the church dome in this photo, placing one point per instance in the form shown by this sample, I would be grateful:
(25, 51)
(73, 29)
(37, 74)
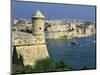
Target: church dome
(38, 14)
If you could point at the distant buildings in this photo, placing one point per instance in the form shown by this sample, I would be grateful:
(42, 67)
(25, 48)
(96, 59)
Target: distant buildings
(59, 29)
(66, 29)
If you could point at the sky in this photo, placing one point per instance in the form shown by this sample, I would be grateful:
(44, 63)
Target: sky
(53, 11)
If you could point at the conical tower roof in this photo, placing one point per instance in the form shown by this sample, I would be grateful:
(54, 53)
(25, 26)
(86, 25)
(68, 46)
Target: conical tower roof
(38, 14)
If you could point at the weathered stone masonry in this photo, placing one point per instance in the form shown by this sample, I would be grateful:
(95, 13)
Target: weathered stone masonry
(31, 47)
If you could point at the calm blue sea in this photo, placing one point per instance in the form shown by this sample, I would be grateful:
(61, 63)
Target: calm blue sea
(82, 53)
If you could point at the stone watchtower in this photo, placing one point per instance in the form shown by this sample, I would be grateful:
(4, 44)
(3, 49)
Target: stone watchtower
(32, 47)
(38, 24)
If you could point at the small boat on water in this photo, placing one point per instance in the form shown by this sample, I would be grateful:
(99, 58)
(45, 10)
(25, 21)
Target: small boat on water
(73, 43)
(78, 56)
(81, 45)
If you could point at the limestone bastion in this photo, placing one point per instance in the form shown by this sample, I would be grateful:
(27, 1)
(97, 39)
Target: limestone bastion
(31, 47)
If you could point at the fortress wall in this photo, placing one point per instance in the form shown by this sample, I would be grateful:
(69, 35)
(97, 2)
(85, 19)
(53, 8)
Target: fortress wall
(31, 47)
(32, 53)
(68, 35)
(60, 35)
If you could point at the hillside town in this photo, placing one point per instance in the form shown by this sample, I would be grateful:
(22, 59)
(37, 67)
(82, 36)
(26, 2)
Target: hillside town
(57, 28)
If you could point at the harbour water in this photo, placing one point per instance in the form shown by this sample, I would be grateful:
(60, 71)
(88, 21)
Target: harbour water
(77, 52)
